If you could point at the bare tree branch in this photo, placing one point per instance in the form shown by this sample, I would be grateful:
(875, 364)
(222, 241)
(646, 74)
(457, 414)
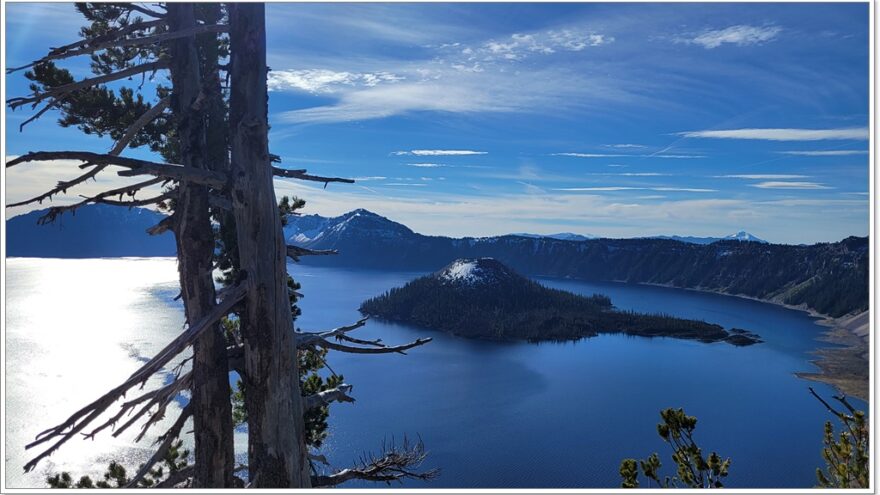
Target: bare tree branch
(59, 91)
(139, 124)
(117, 43)
(135, 202)
(129, 190)
(395, 464)
(58, 53)
(80, 419)
(61, 187)
(176, 478)
(163, 226)
(294, 252)
(338, 394)
(167, 439)
(306, 338)
(370, 350)
(209, 178)
(145, 10)
(302, 175)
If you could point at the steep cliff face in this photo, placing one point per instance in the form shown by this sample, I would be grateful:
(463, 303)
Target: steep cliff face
(831, 278)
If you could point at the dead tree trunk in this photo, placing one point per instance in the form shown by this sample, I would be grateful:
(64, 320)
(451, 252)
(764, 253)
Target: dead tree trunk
(212, 411)
(276, 437)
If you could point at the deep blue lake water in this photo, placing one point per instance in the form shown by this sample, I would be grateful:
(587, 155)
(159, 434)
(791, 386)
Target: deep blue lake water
(492, 415)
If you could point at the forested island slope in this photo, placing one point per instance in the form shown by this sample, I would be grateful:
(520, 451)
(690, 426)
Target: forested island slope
(830, 278)
(482, 298)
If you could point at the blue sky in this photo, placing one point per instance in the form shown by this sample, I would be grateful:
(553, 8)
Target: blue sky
(610, 119)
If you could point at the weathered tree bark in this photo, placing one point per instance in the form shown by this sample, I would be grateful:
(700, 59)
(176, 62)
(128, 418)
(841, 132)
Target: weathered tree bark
(276, 438)
(211, 407)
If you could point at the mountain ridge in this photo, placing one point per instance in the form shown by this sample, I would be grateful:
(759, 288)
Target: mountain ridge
(829, 278)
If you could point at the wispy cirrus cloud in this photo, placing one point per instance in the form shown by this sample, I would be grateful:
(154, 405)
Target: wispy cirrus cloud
(740, 35)
(761, 176)
(615, 155)
(854, 133)
(826, 153)
(521, 45)
(426, 165)
(438, 153)
(625, 146)
(326, 81)
(790, 185)
(633, 188)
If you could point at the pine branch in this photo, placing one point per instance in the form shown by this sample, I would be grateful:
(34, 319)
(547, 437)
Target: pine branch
(176, 477)
(59, 53)
(66, 89)
(82, 418)
(145, 10)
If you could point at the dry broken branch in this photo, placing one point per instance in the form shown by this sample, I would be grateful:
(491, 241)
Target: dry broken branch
(176, 478)
(82, 418)
(370, 350)
(209, 178)
(139, 124)
(294, 252)
(338, 394)
(394, 464)
(129, 190)
(304, 339)
(163, 226)
(117, 43)
(65, 89)
(136, 202)
(167, 439)
(60, 52)
(302, 175)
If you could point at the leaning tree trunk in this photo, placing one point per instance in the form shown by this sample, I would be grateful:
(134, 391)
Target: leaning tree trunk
(212, 411)
(276, 436)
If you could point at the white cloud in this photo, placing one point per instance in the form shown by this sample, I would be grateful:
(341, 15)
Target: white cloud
(326, 81)
(407, 184)
(790, 185)
(438, 153)
(426, 165)
(628, 188)
(374, 177)
(762, 176)
(826, 153)
(782, 134)
(611, 155)
(741, 35)
(519, 46)
(625, 145)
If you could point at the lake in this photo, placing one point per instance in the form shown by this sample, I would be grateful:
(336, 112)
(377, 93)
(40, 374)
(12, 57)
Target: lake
(492, 415)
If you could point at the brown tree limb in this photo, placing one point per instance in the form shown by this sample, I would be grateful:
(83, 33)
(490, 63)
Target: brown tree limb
(395, 464)
(145, 10)
(294, 252)
(82, 418)
(140, 41)
(176, 478)
(139, 124)
(163, 226)
(135, 202)
(61, 187)
(57, 53)
(370, 350)
(302, 175)
(167, 439)
(136, 167)
(65, 89)
(130, 190)
(304, 339)
(338, 394)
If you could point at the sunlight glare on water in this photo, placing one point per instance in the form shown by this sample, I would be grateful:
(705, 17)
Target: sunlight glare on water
(75, 329)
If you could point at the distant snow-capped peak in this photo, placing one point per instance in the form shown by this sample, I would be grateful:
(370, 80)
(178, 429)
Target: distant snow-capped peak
(743, 236)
